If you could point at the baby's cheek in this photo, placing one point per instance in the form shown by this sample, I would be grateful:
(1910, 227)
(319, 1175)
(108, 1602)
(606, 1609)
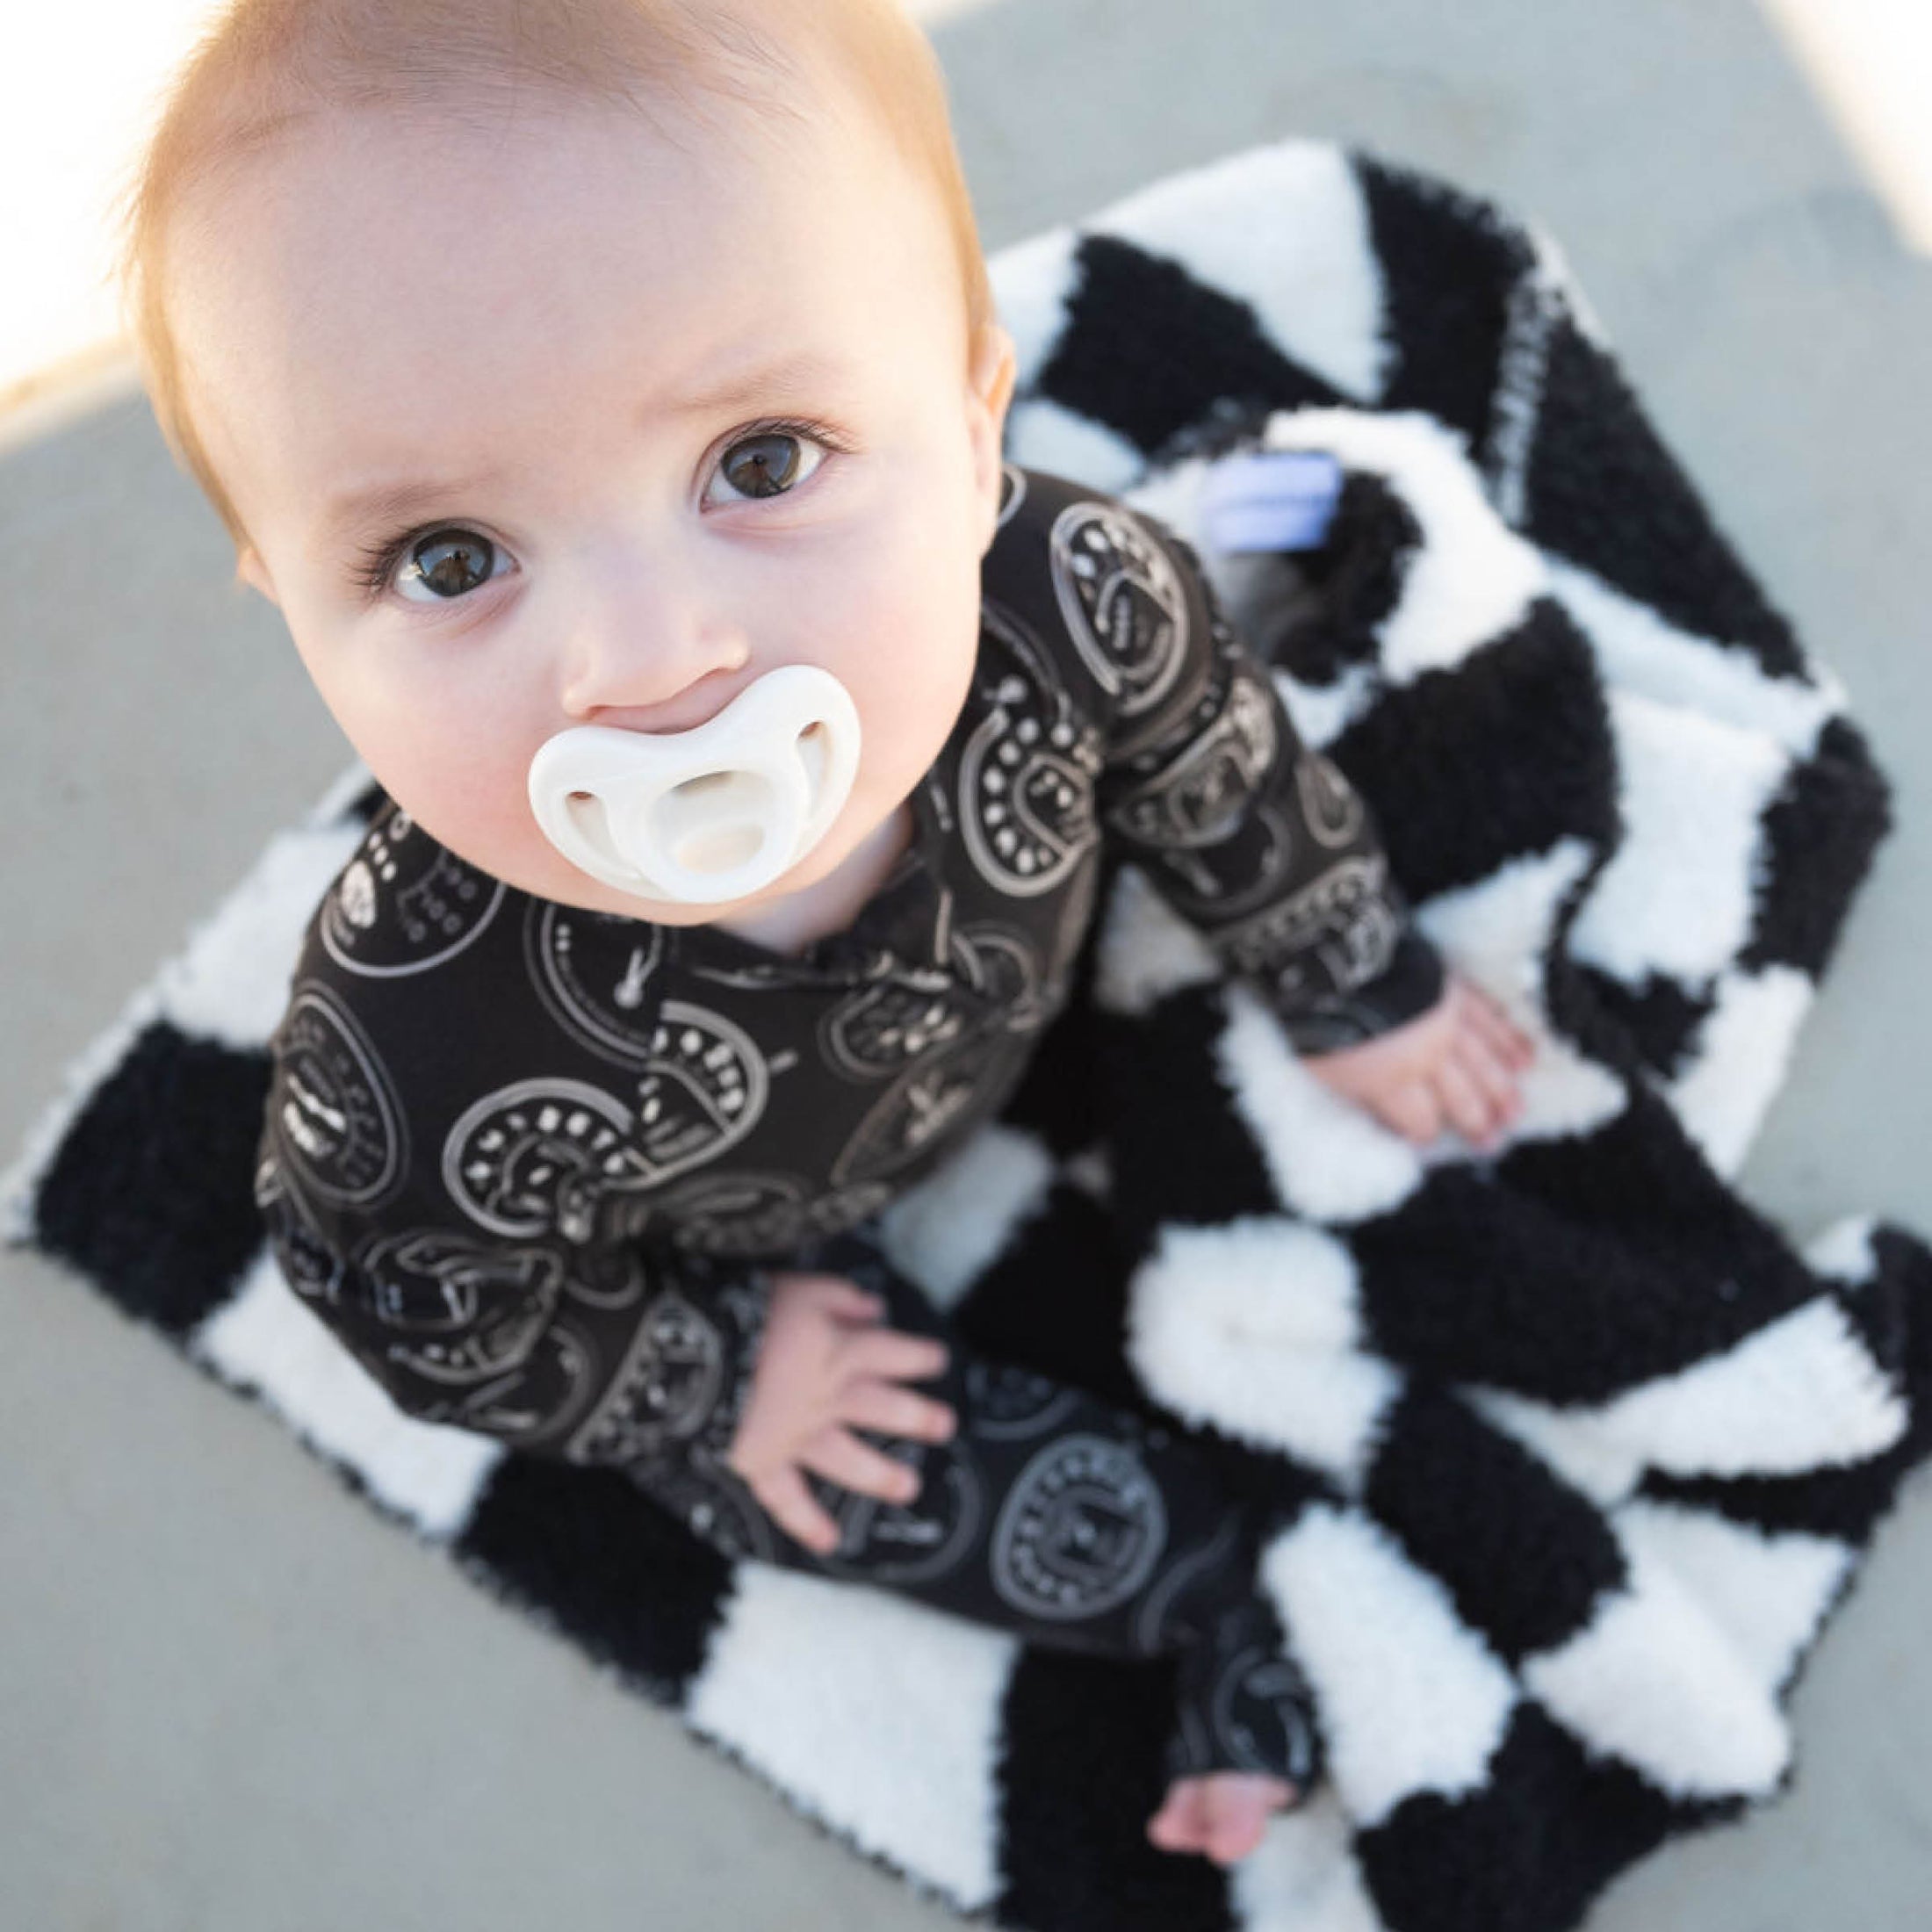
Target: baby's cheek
(912, 671)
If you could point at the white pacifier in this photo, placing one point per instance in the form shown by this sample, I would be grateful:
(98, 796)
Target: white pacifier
(709, 814)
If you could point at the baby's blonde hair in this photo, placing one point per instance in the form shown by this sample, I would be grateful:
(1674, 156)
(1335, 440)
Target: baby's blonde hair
(265, 64)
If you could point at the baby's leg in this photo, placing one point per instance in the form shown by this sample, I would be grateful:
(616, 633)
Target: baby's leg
(1065, 1520)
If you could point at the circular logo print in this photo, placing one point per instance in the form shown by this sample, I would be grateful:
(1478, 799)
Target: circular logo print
(1010, 1403)
(1080, 1531)
(404, 903)
(718, 1508)
(337, 1119)
(1261, 1709)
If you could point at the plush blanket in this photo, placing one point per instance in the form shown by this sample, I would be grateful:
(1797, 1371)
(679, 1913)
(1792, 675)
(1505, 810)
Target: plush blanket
(1575, 1451)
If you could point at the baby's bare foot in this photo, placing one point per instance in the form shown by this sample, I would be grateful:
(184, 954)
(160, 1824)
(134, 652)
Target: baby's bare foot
(1221, 1814)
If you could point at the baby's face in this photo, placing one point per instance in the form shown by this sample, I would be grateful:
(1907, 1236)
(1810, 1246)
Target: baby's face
(572, 424)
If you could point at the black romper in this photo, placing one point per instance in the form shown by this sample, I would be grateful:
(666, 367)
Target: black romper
(531, 1164)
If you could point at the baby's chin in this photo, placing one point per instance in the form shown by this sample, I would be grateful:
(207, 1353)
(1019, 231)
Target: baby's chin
(546, 874)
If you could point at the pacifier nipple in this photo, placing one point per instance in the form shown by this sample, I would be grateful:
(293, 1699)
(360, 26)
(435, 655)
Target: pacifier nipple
(708, 815)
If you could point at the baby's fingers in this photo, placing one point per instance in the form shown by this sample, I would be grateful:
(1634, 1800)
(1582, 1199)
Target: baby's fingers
(839, 1456)
(894, 1355)
(833, 1293)
(1476, 1107)
(894, 1412)
(1413, 1110)
(790, 1503)
(1484, 1017)
(1494, 1075)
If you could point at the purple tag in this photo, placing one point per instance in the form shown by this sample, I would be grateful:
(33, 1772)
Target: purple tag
(1271, 500)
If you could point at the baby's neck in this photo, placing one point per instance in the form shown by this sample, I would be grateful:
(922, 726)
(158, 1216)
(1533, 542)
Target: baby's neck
(792, 923)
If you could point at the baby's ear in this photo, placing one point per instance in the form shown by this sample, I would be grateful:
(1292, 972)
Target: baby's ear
(249, 569)
(990, 382)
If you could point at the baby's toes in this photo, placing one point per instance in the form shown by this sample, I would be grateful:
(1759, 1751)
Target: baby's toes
(1238, 1806)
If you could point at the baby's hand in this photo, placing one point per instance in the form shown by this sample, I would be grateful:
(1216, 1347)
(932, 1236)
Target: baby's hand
(825, 1366)
(1455, 1066)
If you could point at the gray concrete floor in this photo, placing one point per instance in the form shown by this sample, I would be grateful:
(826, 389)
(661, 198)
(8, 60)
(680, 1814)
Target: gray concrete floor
(232, 1698)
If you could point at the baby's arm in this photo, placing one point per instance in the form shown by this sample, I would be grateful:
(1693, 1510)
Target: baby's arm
(1264, 847)
(588, 1355)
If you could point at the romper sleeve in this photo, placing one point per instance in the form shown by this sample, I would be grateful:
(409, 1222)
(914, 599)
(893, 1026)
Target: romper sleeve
(620, 1353)
(484, 1274)
(1257, 840)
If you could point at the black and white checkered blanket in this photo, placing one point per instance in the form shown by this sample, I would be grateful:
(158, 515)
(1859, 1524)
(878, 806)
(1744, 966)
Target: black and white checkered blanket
(1577, 1452)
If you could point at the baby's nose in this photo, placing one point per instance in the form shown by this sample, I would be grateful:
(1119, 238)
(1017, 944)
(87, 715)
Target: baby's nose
(653, 664)
(696, 704)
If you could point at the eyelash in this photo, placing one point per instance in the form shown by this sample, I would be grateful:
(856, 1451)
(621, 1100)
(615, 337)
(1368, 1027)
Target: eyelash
(376, 563)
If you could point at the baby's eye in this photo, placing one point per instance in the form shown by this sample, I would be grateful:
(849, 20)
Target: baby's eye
(446, 564)
(768, 463)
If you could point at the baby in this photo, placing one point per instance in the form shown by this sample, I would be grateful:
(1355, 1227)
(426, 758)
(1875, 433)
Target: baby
(579, 362)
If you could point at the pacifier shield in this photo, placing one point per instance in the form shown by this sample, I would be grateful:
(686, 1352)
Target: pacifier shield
(709, 815)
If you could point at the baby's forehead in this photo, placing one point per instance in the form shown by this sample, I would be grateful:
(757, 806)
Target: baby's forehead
(846, 92)
(328, 330)
(811, 136)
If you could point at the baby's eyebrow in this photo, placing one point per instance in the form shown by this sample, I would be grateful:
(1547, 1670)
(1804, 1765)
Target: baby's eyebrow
(351, 511)
(355, 510)
(802, 369)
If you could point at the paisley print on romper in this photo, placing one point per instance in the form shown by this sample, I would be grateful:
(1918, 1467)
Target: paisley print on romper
(966, 1078)
(1004, 969)
(311, 1266)
(1026, 770)
(338, 1120)
(665, 1389)
(599, 975)
(464, 1310)
(1199, 797)
(747, 1214)
(903, 1542)
(1333, 808)
(877, 1029)
(1345, 920)
(1122, 602)
(536, 1157)
(405, 903)
(705, 1086)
